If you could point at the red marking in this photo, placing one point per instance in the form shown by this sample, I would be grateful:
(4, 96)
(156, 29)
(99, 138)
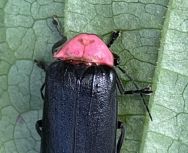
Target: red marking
(87, 48)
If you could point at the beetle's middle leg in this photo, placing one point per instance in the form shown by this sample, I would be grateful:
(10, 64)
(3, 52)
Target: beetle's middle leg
(41, 90)
(141, 92)
(145, 91)
(43, 66)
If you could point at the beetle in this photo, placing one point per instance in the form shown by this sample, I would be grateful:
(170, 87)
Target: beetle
(80, 105)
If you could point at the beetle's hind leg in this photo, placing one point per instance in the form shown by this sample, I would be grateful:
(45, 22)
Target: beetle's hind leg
(122, 135)
(38, 126)
(58, 26)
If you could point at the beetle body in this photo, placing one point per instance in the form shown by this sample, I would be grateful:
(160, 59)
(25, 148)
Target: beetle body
(80, 107)
(80, 110)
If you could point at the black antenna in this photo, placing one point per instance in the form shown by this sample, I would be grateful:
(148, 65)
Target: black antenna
(141, 94)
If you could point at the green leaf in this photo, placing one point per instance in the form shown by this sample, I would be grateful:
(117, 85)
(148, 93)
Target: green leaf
(27, 33)
(168, 133)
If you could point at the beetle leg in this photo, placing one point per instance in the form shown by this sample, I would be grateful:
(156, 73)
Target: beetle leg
(114, 36)
(41, 90)
(145, 91)
(58, 44)
(116, 59)
(59, 29)
(38, 127)
(41, 65)
(57, 24)
(139, 91)
(121, 138)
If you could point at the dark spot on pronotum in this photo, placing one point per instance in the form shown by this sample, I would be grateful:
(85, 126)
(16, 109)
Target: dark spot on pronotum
(86, 42)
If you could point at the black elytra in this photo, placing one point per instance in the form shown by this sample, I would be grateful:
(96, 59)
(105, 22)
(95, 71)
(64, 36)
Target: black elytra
(80, 107)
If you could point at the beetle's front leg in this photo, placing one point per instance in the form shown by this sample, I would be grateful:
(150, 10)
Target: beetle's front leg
(58, 26)
(41, 64)
(114, 36)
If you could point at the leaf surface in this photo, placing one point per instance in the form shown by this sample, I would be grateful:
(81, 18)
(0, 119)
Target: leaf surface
(168, 133)
(26, 33)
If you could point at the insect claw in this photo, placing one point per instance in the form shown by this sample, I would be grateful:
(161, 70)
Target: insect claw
(57, 24)
(147, 90)
(55, 20)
